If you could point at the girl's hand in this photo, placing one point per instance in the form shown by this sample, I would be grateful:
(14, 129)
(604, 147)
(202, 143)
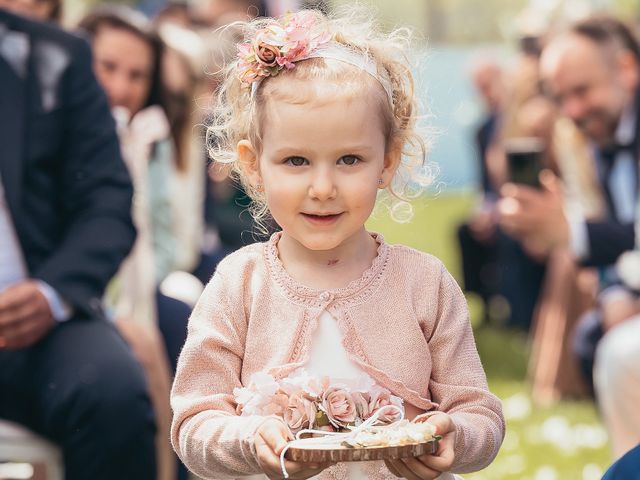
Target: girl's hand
(428, 467)
(270, 438)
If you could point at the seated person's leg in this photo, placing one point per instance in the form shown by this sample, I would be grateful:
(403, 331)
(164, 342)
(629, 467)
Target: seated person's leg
(520, 281)
(617, 384)
(208, 263)
(173, 316)
(587, 334)
(81, 388)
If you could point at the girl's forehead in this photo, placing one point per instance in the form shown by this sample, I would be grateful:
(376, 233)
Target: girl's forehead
(353, 85)
(322, 125)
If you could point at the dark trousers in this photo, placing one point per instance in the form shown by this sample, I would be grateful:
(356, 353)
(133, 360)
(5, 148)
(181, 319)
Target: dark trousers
(479, 264)
(81, 388)
(587, 335)
(173, 316)
(501, 267)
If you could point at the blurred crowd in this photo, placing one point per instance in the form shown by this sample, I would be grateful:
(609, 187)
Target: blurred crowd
(549, 247)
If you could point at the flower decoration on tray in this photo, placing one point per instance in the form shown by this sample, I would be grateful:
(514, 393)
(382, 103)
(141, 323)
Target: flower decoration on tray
(336, 420)
(309, 402)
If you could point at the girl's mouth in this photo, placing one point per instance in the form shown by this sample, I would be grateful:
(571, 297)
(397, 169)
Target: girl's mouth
(321, 219)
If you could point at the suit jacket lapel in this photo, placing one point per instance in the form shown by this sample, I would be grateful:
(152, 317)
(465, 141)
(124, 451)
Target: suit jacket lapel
(13, 106)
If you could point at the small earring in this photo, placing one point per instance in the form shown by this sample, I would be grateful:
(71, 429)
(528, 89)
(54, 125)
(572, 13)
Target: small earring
(259, 187)
(380, 181)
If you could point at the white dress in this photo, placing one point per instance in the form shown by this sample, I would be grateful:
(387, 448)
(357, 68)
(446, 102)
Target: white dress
(328, 358)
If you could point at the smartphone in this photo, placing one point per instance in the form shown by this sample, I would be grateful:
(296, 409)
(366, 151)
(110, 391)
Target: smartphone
(524, 160)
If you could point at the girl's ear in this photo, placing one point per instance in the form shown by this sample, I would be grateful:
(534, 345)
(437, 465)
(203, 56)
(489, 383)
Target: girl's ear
(392, 159)
(249, 162)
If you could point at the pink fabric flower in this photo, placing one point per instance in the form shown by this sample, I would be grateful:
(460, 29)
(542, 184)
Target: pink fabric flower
(361, 401)
(381, 397)
(276, 406)
(339, 406)
(267, 55)
(300, 412)
(278, 46)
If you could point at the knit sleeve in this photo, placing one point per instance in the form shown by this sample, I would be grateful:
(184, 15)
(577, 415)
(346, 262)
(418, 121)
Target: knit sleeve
(458, 382)
(208, 436)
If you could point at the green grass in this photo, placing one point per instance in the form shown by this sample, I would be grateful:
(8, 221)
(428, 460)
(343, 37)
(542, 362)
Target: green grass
(562, 442)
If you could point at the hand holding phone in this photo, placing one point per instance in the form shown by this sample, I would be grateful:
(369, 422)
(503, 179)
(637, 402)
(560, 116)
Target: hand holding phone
(524, 160)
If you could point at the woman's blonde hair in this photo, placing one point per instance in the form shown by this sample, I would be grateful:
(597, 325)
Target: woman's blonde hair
(237, 113)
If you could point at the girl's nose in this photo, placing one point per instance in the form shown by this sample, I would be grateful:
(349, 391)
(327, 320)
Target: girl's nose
(323, 186)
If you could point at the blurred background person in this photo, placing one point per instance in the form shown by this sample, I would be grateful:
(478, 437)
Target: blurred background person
(592, 73)
(187, 93)
(522, 115)
(478, 236)
(161, 212)
(134, 88)
(65, 226)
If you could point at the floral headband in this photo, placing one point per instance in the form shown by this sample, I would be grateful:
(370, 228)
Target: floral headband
(280, 44)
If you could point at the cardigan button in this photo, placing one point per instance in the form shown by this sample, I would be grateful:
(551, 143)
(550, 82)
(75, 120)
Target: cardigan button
(325, 296)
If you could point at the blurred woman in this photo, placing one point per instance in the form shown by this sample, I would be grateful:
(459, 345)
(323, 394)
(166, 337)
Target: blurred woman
(127, 63)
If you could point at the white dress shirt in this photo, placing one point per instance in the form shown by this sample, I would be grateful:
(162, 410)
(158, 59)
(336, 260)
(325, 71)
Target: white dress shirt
(621, 184)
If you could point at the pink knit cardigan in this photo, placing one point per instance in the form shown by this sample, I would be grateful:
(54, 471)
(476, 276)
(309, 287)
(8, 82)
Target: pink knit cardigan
(405, 322)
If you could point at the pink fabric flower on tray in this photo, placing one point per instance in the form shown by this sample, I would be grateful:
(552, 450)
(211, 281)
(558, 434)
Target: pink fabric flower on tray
(300, 412)
(381, 397)
(307, 401)
(361, 401)
(339, 406)
(279, 45)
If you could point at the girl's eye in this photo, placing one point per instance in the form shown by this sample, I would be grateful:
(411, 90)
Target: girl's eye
(349, 160)
(296, 161)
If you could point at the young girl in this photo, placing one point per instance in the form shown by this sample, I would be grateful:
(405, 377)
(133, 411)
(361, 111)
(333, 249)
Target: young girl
(317, 116)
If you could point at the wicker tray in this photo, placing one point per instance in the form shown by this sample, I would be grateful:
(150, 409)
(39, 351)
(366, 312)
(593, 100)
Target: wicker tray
(313, 454)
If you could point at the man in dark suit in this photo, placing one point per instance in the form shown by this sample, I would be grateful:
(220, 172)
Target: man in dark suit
(593, 73)
(65, 226)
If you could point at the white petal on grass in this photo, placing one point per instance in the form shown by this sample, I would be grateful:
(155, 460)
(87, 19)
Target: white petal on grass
(591, 471)
(517, 407)
(546, 472)
(557, 431)
(590, 436)
(514, 464)
(511, 441)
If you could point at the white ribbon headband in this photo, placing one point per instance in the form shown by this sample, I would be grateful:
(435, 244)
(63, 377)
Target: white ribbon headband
(336, 51)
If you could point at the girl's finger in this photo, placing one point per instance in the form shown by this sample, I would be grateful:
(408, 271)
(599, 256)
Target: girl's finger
(443, 460)
(275, 436)
(420, 469)
(267, 459)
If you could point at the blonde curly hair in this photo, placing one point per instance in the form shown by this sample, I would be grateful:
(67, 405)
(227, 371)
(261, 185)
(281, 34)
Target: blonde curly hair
(237, 114)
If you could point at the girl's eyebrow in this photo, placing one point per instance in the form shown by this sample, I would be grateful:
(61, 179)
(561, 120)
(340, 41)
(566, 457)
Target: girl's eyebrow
(306, 152)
